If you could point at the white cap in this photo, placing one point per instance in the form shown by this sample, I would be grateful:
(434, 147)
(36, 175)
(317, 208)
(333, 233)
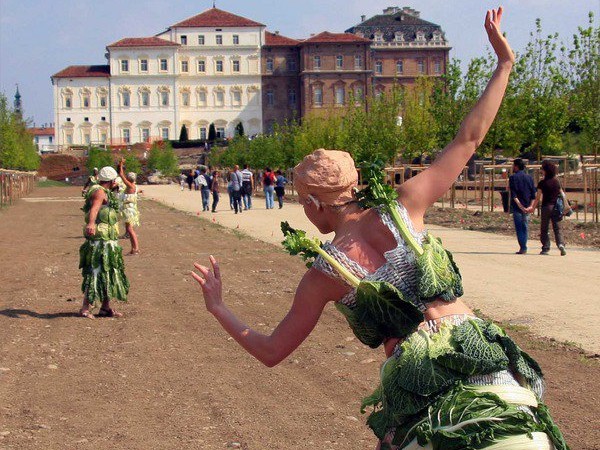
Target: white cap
(107, 174)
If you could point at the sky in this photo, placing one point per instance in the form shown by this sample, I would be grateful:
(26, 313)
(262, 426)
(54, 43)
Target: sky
(40, 37)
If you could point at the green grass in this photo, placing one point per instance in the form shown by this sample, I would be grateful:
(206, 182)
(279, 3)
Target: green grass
(51, 183)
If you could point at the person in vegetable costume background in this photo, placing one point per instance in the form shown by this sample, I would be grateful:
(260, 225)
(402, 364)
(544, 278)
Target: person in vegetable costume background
(129, 210)
(451, 380)
(100, 256)
(92, 180)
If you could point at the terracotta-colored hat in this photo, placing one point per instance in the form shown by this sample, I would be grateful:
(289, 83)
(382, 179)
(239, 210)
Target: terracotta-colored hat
(328, 175)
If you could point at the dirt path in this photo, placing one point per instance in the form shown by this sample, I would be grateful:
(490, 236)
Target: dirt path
(166, 376)
(553, 296)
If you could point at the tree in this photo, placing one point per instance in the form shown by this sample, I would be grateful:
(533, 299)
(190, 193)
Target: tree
(212, 133)
(239, 129)
(168, 163)
(183, 135)
(98, 158)
(132, 163)
(419, 127)
(17, 150)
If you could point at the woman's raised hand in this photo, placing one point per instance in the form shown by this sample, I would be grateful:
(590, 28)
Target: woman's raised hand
(493, 18)
(210, 282)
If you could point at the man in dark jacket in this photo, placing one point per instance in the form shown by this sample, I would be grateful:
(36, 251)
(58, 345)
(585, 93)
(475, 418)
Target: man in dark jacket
(522, 193)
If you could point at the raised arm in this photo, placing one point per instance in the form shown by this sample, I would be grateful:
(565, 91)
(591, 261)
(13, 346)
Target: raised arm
(309, 301)
(129, 184)
(421, 191)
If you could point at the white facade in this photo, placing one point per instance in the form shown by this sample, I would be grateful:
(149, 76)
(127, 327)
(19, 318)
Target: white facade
(212, 76)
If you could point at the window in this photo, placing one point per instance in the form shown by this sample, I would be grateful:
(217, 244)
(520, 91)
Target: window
(201, 66)
(164, 65)
(145, 134)
(103, 101)
(185, 66)
(203, 133)
(126, 99)
(68, 102)
(103, 137)
(37, 140)
(185, 99)
(316, 62)
(126, 135)
(358, 93)
(378, 67)
(291, 64)
(358, 62)
(50, 139)
(201, 39)
(437, 66)
(202, 98)
(87, 140)
(219, 66)
(398, 37)
(86, 101)
(421, 66)
(164, 98)
(145, 98)
(143, 65)
(220, 98)
(70, 139)
(270, 65)
(318, 96)
(219, 39)
(220, 132)
(236, 39)
(164, 133)
(237, 98)
(378, 37)
(183, 39)
(86, 119)
(340, 95)
(236, 65)
(292, 97)
(399, 66)
(124, 65)
(339, 62)
(270, 97)
(420, 36)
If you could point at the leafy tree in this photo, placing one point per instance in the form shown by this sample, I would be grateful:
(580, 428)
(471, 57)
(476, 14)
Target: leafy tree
(154, 157)
(212, 133)
(168, 163)
(132, 163)
(419, 127)
(183, 135)
(17, 150)
(99, 157)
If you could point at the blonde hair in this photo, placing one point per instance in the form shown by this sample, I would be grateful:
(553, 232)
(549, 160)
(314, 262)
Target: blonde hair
(131, 176)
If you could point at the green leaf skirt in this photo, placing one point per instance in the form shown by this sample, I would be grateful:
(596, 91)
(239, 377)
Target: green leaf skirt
(103, 271)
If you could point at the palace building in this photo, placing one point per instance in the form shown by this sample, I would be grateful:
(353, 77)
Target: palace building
(222, 69)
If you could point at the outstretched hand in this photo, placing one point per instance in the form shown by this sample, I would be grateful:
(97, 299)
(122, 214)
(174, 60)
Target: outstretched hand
(210, 282)
(501, 47)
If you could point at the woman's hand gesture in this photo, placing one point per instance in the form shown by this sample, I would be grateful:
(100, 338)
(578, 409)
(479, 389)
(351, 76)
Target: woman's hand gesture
(498, 41)
(210, 282)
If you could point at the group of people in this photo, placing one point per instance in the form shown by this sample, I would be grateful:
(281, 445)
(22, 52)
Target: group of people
(525, 199)
(205, 181)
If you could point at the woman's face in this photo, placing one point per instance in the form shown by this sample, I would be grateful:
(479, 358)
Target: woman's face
(315, 214)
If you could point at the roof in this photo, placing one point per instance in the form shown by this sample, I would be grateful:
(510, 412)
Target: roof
(43, 131)
(335, 38)
(215, 17)
(277, 40)
(84, 72)
(143, 42)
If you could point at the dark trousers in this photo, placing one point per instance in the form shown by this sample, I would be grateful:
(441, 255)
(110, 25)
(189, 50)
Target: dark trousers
(521, 220)
(547, 217)
(215, 201)
(280, 191)
(237, 201)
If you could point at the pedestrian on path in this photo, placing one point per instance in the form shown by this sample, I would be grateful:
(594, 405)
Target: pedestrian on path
(268, 181)
(190, 179)
(451, 379)
(215, 185)
(182, 178)
(280, 182)
(235, 177)
(552, 196)
(247, 187)
(522, 193)
(203, 182)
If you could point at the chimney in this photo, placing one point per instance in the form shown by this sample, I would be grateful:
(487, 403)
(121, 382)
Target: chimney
(277, 32)
(362, 18)
(391, 10)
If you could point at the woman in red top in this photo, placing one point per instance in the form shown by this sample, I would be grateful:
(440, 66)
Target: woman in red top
(269, 187)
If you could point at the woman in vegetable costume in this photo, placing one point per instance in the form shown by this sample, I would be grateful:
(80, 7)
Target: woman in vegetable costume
(100, 256)
(129, 210)
(451, 380)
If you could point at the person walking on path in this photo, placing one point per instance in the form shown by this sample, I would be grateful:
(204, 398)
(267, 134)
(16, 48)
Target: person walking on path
(551, 194)
(247, 187)
(204, 183)
(214, 187)
(522, 193)
(268, 180)
(235, 177)
(129, 208)
(190, 179)
(280, 182)
(101, 256)
(451, 380)
(182, 178)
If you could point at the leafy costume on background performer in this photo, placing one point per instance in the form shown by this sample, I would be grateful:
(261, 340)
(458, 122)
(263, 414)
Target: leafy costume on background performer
(100, 256)
(431, 393)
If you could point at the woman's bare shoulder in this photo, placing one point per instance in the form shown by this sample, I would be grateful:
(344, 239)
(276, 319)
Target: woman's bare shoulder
(318, 286)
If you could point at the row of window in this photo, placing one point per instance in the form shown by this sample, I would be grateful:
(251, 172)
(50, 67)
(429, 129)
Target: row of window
(339, 62)
(358, 64)
(201, 40)
(218, 65)
(290, 65)
(399, 36)
(292, 97)
(339, 95)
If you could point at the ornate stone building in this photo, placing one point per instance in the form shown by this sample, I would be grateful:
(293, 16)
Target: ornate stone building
(224, 69)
